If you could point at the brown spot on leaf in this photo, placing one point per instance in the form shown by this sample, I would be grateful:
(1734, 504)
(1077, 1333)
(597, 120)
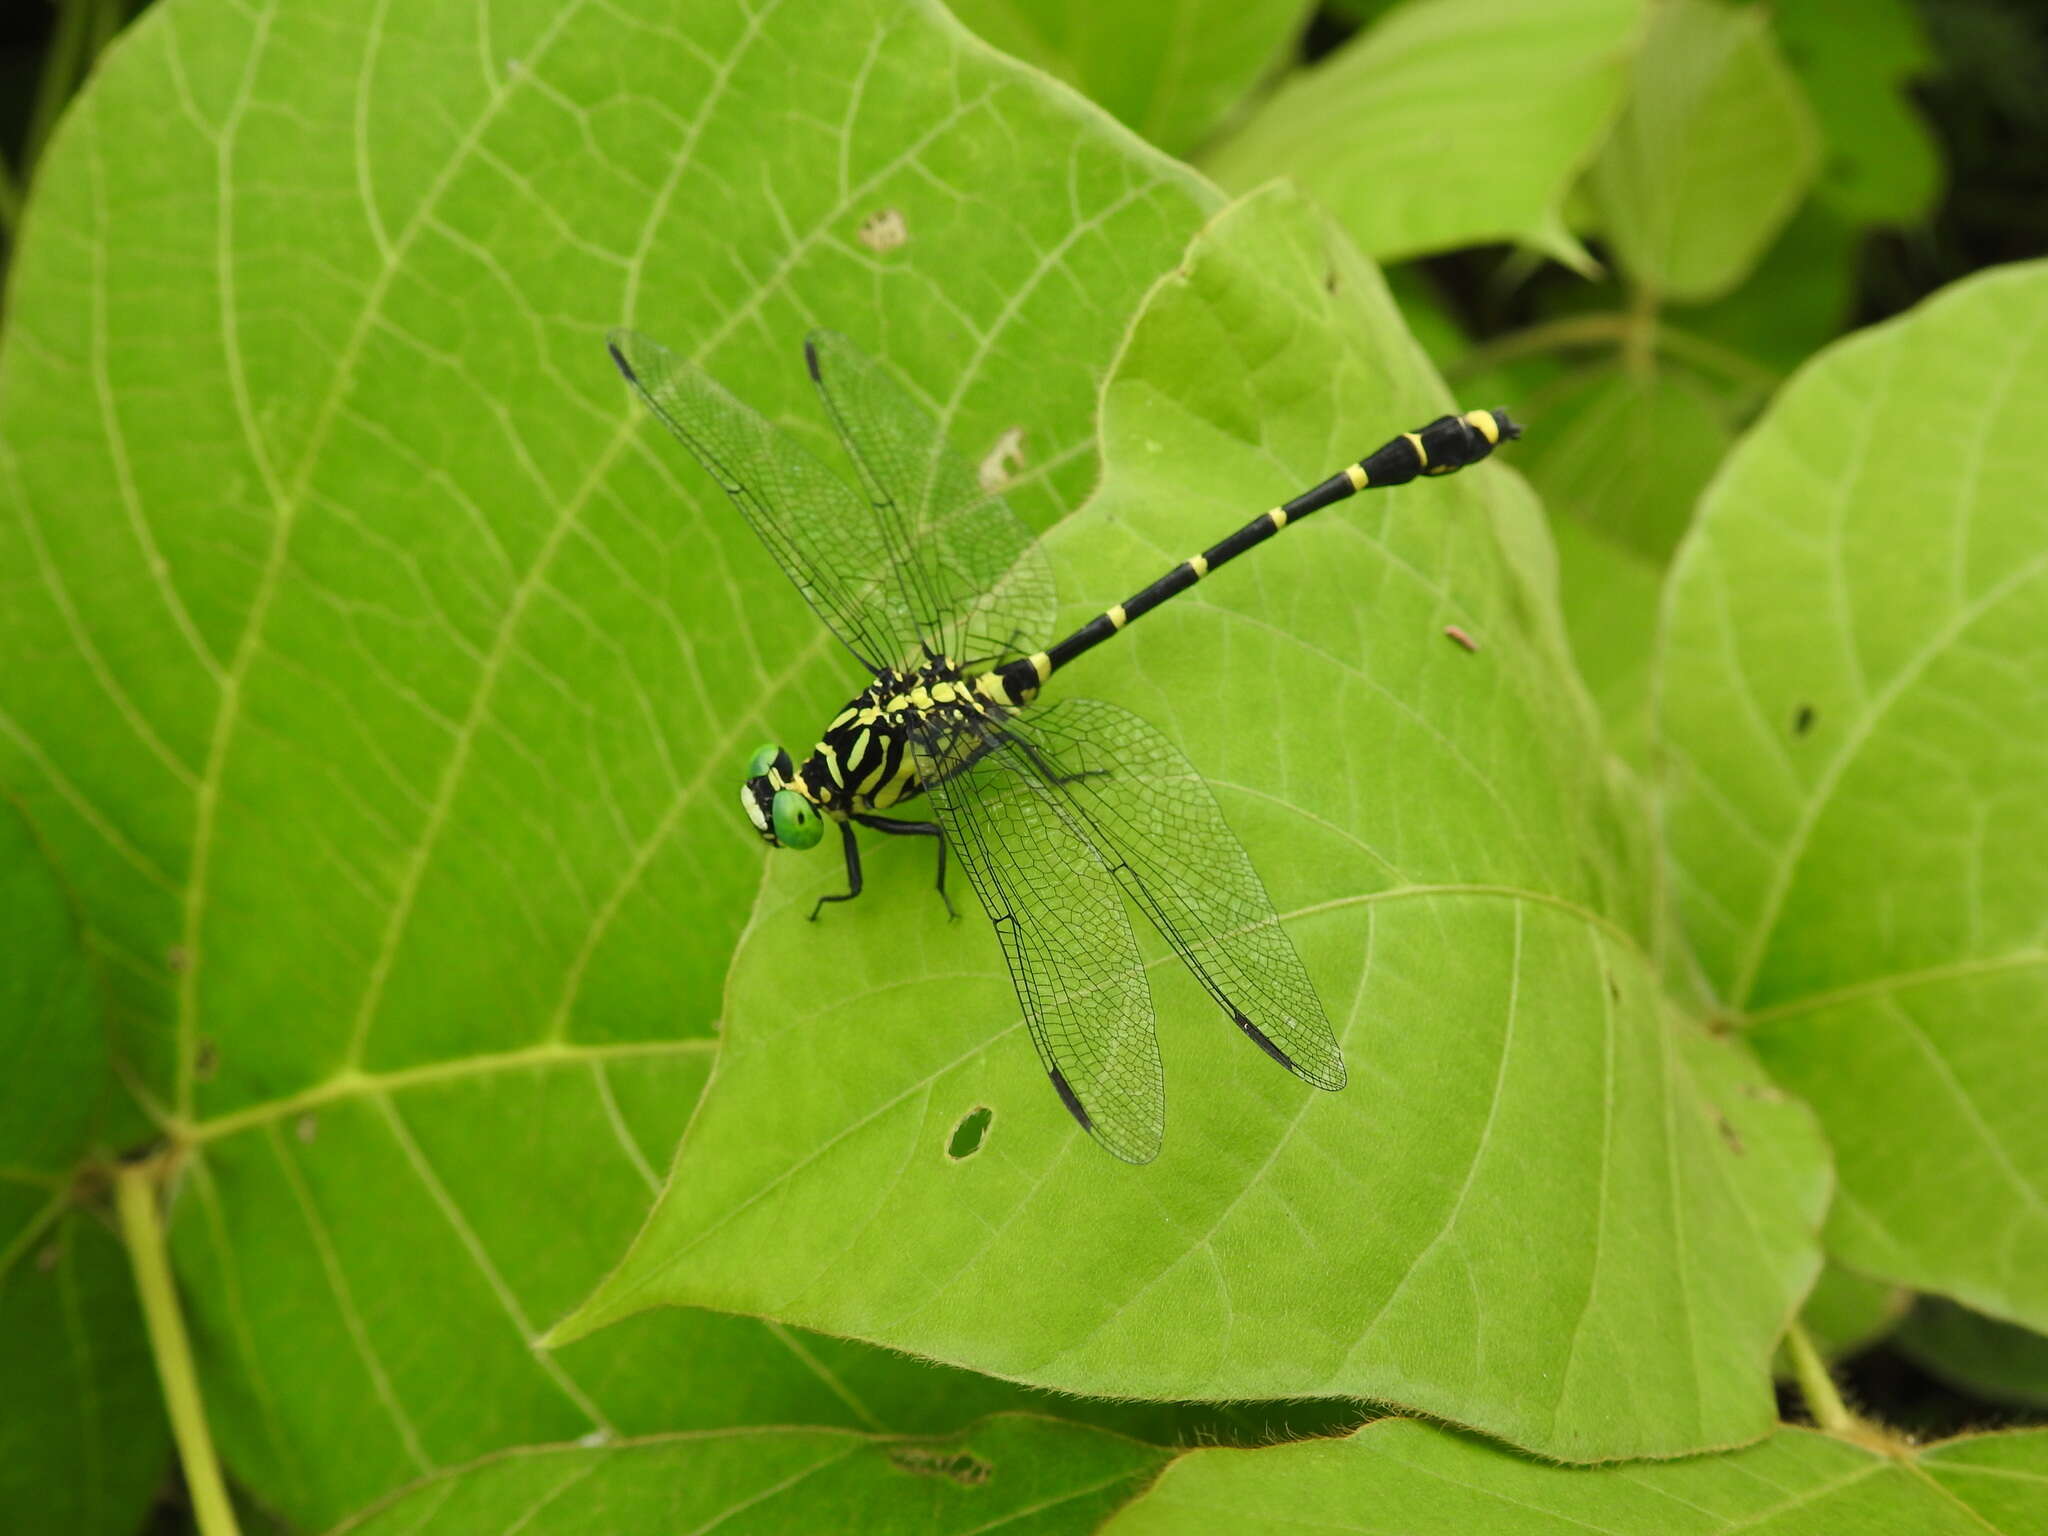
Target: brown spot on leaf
(962, 1467)
(885, 231)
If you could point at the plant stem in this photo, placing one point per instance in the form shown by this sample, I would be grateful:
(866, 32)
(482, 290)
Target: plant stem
(1816, 1385)
(135, 1192)
(1616, 328)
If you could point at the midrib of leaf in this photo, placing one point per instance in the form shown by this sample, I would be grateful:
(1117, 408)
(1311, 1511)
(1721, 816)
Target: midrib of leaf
(355, 1083)
(1900, 981)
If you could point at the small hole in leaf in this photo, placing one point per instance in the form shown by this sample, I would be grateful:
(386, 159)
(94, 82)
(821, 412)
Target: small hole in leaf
(961, 1467)
(969, 1134)
(308, 1127)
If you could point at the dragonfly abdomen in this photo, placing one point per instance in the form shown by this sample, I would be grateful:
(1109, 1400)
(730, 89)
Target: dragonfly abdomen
(1446, 445)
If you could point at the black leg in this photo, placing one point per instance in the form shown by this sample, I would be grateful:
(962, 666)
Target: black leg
(852, 871)
(915, 829)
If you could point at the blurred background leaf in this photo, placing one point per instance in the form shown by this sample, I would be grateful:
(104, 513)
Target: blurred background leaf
(1446, 122)
(1170, 70)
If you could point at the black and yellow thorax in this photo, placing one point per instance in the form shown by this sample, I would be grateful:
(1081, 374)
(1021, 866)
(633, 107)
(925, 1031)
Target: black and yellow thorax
(864, 761)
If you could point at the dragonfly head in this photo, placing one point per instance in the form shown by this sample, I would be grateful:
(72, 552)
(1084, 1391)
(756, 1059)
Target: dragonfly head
(780, 812)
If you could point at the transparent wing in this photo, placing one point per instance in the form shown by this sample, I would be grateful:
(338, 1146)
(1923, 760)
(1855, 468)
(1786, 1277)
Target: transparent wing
(1059, 911)
(827, 541)
(972, 574)
(1156, 822)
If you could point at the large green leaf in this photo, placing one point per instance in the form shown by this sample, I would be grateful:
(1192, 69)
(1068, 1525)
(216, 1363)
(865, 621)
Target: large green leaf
(379, 682)
(1448, 122)
(1542, 1206)
(1400, 1478)
(1714, 151)
(82, 1436)
(1854, 684)
(1170, 69)
(1031, 1477)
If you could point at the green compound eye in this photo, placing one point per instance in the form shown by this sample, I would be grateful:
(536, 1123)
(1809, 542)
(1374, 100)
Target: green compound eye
(762, 760)
(797, 824)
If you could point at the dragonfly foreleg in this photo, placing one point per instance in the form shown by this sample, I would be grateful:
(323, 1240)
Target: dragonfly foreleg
(916, 829)
(852, 870)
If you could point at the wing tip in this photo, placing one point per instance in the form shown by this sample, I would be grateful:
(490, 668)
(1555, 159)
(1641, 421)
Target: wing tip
(1138, 1157)
(611, 345)
(1330, 1078)
(1070, 1099)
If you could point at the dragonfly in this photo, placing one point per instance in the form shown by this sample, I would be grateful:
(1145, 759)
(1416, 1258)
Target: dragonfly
(1064, 814)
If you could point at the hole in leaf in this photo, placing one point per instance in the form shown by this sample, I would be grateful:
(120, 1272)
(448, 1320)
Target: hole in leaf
(1002, 463)
(969, 1134)
(962, 1467)
(308, 1127)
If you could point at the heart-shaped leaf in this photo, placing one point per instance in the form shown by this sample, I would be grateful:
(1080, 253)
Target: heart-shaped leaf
(1543, 1206)
(1854, 697)
(379, 681)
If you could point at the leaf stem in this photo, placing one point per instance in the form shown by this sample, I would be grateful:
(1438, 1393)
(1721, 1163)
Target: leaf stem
(1618, 328)
(1816, 1386)
(135, 1197)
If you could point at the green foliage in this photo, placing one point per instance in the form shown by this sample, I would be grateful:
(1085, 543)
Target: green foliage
(1420, 1481)
(1031, 1476)
(1172, 70)
(1449, 122)
(82, 1439)
(2005, 1363)
(1476, 919)
(373, 681)
(1712, 154)
(1852, 697)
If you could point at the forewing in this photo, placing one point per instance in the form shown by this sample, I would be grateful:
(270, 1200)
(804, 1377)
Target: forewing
(826, 539)
(974, 577)
(1059, 911)
(1156, 819)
